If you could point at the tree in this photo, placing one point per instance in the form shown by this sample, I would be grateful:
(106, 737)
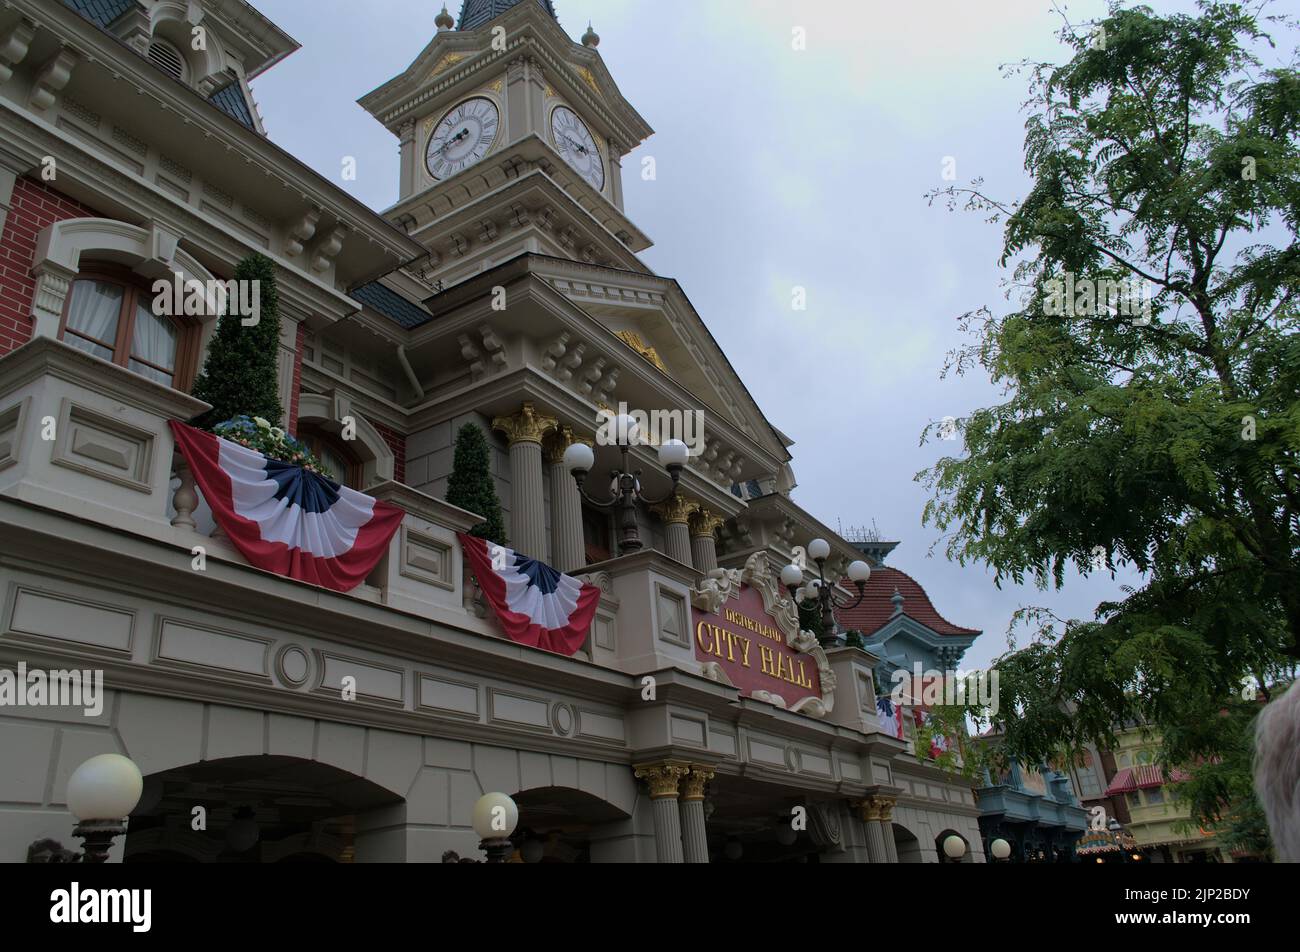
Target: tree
(1157, 430)
(240, 377)
(471, 487)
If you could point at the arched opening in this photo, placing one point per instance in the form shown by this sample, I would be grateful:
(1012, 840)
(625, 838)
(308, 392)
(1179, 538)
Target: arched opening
(257, 809)
(941, 843)
(907, 845)
(557, 824)
(360, 448)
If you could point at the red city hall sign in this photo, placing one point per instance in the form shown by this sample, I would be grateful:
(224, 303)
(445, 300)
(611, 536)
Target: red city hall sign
(746, 643)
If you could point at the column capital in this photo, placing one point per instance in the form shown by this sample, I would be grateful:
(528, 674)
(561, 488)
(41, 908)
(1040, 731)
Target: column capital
(676, 509)
(663, 778)
(694, 784)
(875, 808)
(705, 523)
(560, 439)
(525, 426)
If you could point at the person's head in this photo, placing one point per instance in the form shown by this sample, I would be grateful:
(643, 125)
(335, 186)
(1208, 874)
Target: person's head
(1277, 771)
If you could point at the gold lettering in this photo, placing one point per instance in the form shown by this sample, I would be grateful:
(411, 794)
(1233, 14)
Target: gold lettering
(731, 644)
(699, 636)
(766, 655)
(745, 656)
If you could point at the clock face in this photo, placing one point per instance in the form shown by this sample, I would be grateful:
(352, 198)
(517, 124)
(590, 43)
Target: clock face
(462, 137)
(573, 140)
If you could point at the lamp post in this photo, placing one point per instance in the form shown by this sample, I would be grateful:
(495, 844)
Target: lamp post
(792, 577)
(625, 484)
(102, 792)
(495, 818)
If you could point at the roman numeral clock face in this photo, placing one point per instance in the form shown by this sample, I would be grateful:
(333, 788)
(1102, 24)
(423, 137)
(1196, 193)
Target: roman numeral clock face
(462, 137)
(574, 142)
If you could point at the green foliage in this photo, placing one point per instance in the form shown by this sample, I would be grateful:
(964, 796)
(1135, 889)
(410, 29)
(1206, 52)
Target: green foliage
(1170, 446)
(240, 377)
(471, 486)
(258, 434)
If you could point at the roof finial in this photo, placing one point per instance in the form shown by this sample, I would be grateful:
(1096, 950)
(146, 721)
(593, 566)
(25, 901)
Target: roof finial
(590, 39)
(444, 20)
(897, 599)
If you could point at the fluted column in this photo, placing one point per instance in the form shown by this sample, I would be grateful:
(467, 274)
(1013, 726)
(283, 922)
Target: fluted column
(695, 836)
(676, 511)
(524, 431)
(869, 811)
(568, 553)
(704, 547)
(663, 779)
(887, 828)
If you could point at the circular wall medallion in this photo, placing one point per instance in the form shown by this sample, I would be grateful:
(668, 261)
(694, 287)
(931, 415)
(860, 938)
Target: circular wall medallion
(562, 719)
(293, 665)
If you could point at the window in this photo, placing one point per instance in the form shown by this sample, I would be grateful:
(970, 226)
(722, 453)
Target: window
(1134, 801)
(1155, 795)
(111, 317)
(1144, 756)
(596, 535)
(341, 465)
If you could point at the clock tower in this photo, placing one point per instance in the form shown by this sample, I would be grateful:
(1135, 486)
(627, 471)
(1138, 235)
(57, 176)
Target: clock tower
(512, 138)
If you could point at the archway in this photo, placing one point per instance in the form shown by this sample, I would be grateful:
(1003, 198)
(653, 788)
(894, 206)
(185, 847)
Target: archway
(255, 809)
(557, 824)
(943, 855)
(907, 845)
(326, 412)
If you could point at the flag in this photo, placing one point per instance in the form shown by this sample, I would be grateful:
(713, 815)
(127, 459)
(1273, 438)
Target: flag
(286, 519)
(938, 742)
(537, 605)
(890, 716)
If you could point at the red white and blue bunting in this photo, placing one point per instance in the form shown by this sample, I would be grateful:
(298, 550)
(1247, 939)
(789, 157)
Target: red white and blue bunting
(286, 519)
(536, 604)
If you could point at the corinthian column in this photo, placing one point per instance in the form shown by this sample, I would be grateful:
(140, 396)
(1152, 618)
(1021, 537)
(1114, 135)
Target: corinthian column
(524, 431)
(704, 547)
(695, 837)
(664, 779)
(869, 811)
(568, 554)
(887, 827)
(676, 511)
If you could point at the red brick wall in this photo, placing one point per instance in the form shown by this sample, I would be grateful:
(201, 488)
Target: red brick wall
(34, 206)
(397, 443)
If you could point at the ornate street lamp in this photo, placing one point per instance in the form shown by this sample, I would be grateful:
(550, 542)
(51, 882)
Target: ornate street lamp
(102, 792)
(792, 576)
(625, 485)
(495, 818)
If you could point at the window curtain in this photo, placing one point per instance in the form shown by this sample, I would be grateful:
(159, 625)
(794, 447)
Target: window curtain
(153, 339)
(94, 311)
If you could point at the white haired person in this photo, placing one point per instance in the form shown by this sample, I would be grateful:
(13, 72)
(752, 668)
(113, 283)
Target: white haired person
(1277, 771)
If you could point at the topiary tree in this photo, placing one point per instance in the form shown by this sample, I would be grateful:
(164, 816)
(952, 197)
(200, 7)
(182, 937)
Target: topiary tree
(240, 376)
(471, 487)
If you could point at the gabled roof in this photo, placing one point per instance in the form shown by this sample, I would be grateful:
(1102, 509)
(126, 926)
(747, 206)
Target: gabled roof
(475, 13)
(877, 607)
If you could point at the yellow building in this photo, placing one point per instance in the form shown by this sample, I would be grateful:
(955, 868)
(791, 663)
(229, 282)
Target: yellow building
(1160, 826)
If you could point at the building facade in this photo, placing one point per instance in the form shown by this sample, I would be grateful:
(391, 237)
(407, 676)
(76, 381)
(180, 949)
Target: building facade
(503, 289)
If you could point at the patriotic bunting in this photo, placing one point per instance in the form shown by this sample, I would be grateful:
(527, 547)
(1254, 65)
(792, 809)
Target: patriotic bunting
(536, 605)
(286, 519)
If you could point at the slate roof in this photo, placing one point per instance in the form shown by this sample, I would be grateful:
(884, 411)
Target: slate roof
(100, 12)
(877, 607)
(386, 301)
(230, 100)
(474, 13)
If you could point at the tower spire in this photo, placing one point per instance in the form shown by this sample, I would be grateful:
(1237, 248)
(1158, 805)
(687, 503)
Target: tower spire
(475, 13)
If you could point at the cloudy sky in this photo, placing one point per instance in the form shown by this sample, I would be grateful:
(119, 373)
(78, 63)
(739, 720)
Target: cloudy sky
(780, 168)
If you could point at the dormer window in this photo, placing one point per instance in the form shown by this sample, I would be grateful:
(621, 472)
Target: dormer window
(168, 59)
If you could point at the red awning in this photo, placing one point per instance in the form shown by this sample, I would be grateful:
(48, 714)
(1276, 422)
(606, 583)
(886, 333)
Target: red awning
(1142, 777)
